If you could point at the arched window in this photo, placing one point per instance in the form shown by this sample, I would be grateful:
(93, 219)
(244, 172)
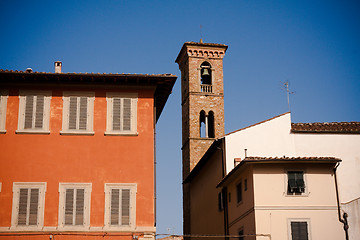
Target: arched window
(210, 125)
(203, 131)
(206, 76)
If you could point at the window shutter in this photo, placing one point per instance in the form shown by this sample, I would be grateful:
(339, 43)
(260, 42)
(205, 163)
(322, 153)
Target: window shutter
(125, 207)
(69, 206)
(23, 199)
(29, 108)
(80, 202)
(114, 207)
(39, 115)
(116, 114)
(83, 113)
(299, 231)
(34, 205)
(72, 112)
(127, 114)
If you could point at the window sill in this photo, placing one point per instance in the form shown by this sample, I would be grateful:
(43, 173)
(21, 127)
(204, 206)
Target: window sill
(107, 133)
(25, 228)
(118, 228)
(32, 131)
(72, 228)
(76, 133)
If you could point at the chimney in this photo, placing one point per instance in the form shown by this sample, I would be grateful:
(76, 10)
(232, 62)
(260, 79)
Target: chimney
(58, 65)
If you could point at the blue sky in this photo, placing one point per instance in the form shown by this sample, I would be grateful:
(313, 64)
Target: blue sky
(312, 44)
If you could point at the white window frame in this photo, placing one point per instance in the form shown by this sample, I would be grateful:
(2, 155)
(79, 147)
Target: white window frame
(307, 220)
(87, 205)
(306, 192)
(46, 114)
(109, 116)
(90, 113)
(133, 190)
(3, 103)
(41, 205)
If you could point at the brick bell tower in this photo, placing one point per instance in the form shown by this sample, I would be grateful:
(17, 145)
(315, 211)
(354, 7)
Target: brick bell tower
(202, 101)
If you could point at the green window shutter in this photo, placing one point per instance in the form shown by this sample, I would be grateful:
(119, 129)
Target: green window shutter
(22, 211)
(127, 114)
(115, 207)
(69, 206)
(34, 207)
(29, 109)
(116, 114)
(72, 112)
(299, 231)
(83, 113)
(39, 114)
(80, 204)
(125, 207)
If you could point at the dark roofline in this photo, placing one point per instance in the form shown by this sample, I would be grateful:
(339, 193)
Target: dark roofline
(204, 159)
(327, 128)
(266, 160)
(200, 44)
(162, 83)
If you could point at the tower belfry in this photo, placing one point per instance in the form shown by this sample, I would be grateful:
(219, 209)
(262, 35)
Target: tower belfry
(202, 101)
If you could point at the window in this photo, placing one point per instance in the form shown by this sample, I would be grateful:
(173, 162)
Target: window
(3, 101)
(78, 113)
(34, 112)
(299, 229)
(245, 184)
(74, 205)
(206, 77)
(296, 184)
(239, 192)
(121, 113)
(120, 205)
(241, 234)
(28, 205)
(207, 129)
(220, 201)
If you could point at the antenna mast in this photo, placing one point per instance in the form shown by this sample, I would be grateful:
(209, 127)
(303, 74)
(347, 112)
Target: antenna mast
(201, 40)
(288, 92)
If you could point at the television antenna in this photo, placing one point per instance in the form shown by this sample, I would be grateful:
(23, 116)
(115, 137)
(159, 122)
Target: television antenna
(288, 92)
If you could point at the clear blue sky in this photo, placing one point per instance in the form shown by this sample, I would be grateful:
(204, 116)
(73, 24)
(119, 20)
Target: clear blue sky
(312, 44)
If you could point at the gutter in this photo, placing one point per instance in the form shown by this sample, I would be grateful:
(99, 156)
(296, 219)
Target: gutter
(345, 215)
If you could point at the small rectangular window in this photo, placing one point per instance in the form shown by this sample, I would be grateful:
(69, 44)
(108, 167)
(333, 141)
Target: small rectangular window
(120, 205)
(34, 111)
(121, 114)
(239, 192)
(241, 234)
(78, 113)
(220, 201)
(3, 103)
(299, 230)
(296, 184)
(28, 205)
(245, 185)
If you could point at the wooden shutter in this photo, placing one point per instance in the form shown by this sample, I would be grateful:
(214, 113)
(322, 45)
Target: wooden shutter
(299, 231)
(29, 109)
(115, 207)
(72, 112)
(127, 114)
(116, 114)
(69, 206)
(125, 207)
(34, 206)
(22, 211)
(80, 204)
(83, 113)
(39, 114)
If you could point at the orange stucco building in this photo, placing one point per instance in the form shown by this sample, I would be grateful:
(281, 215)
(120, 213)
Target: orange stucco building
(77, 154)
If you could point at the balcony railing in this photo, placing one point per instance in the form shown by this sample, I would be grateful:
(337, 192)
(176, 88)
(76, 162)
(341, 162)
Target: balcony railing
(206, 88)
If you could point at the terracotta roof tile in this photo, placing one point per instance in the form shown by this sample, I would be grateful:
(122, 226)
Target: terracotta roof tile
(332, 127)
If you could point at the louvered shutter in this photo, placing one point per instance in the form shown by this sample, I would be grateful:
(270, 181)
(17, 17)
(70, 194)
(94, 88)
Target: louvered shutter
(22, 211)
(29, 109)
(83, 113)
(125, 207)
(69, 206)
(299, 231)
(39, 114)
(80, 203)
(34, 206)
(115, 207)
(127, 114)
(116, 114)
(72, 112)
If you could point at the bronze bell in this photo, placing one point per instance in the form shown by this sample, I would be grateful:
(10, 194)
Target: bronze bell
(205, 72)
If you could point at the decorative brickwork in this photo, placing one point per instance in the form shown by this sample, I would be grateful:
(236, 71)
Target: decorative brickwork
(202, 91)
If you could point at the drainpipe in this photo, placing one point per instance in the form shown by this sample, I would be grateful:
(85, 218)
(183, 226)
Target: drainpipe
(345, 215)
(154, 162)
(224, 193)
